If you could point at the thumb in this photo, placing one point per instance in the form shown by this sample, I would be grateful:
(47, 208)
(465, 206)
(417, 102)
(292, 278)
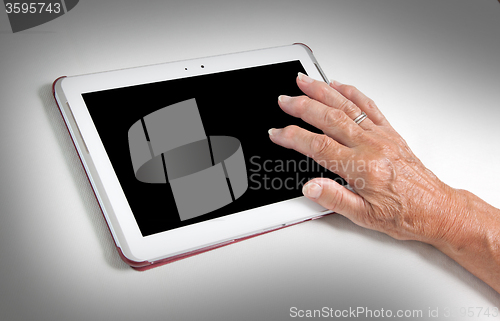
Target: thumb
(335, 197)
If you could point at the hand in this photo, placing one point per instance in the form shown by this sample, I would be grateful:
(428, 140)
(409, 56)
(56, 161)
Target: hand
(395, 193)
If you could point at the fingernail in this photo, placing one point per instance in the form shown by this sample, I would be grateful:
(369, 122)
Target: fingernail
(273, 131)
(336, 83)
(312, 190)
(284, 98)
(305, 78)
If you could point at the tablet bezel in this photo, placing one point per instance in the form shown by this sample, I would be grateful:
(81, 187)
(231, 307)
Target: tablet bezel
(111, 198)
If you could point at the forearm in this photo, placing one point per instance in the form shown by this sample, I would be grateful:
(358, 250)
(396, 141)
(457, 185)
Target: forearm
(474, 239)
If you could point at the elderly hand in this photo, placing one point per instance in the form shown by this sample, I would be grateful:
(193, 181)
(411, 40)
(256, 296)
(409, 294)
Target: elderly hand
(396, 193)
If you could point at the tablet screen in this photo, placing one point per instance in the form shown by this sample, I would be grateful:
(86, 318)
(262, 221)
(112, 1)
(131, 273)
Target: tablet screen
(194, 149)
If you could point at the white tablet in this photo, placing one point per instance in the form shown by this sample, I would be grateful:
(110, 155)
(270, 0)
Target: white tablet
(178, 154)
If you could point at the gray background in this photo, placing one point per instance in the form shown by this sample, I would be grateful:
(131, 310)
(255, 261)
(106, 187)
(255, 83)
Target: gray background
(432, 66)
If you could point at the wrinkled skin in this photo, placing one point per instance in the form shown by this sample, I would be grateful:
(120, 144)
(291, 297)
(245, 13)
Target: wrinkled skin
(394, 192)
(397, 194)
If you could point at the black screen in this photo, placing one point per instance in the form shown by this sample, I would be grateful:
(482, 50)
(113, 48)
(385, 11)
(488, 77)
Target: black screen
(242, 104)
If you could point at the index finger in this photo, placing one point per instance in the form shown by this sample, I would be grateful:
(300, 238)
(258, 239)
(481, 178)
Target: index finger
(322, 148)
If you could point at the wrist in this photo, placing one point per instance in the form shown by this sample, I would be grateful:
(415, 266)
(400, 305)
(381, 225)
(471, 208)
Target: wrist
(471, 226)
(473, 240)
(455, 222)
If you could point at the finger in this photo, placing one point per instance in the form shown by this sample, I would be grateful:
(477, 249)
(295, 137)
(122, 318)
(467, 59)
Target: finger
(333, 196)
(333, 122)
(322, 92)
(364, 103)
(323, 149)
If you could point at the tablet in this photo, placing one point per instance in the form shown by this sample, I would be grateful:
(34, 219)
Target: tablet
(178, 154)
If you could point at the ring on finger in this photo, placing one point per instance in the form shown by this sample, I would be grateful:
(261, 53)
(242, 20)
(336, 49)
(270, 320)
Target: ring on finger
(360, 118)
